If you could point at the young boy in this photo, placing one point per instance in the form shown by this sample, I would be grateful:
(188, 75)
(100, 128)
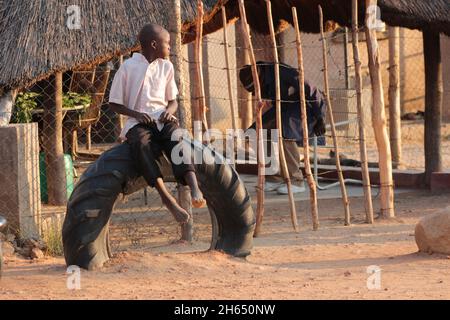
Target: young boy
(144, 90)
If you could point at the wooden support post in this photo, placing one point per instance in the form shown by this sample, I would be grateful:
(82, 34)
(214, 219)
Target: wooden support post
(284, 169)
(244, 98)
(52, 131)
(177, 60)
(301, 83)
(200, 111)
(379, 118)
(331, 118)
(230, 86)
(185, 201)
(258, 116)
(361, 117)
(184, 194)
(7, 100)
(395, 131)
(120, 118)
(433, 103)
(88, 137)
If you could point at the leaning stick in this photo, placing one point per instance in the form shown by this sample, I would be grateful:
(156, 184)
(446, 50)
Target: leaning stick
(301, 83)
(333, 128)
(227, 64)
(361, 117)
(258, 113)
(200, 111)
(379, 117)
(283, 164)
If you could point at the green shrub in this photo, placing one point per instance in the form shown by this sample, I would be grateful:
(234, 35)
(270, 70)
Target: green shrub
(27, 102)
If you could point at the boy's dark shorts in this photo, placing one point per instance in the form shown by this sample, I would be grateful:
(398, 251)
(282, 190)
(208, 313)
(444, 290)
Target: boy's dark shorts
(147, 144)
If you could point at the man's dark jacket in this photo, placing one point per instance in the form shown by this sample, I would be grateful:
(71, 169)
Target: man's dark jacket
(290, 101)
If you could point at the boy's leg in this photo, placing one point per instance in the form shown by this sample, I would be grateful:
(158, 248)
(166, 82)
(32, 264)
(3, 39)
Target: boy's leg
(139, 138)
(180, 215)
(183, 172)
(197, 196)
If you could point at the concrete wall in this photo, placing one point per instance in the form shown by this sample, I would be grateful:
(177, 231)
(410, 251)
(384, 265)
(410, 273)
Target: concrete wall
(19, 178)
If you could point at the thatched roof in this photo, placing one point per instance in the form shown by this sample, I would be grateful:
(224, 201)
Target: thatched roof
(414, 14)
(35, 40)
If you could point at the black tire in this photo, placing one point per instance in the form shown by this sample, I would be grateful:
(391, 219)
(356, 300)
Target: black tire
(85, 228)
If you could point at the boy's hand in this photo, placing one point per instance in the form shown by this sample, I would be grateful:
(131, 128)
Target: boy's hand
(167, 116)
(144, 118)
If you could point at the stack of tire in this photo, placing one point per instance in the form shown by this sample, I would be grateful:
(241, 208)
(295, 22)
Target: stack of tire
(85, 229)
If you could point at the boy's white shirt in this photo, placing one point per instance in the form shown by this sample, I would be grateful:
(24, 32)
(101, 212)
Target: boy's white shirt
(144, 87)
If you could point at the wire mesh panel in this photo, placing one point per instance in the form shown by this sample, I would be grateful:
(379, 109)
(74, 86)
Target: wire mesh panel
(53, 157)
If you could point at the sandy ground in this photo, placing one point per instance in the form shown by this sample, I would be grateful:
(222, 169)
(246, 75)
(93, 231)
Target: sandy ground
(327, 264)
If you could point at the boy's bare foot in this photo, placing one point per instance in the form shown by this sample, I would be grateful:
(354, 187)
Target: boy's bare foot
(197, 199)
(180, 215)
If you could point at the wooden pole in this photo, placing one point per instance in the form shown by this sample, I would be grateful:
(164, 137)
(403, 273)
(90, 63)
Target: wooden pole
(120, 118)
(282, 155)
(395, 131)
(331, 117)
(229, 80)
(245, 103)
(7, 100)
(301, 83)
(184, 194)
(53, 145)
(258, 116)
(177, 60)
(361, 117)
(200, 111)
(227, 64)
(433, 103)
(379, 118)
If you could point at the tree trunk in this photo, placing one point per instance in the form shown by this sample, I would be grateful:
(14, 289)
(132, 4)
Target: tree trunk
(433, 103)
(258, 116)
(6, 106)
(361, 117)
(53, 145)
(283, 164)
(230, 87)
(184, 195)
(245, 104)
(200, 111)
(177, 60)
(395, 131)
(227, 64)
(379, 121)
(301, 83)
(333, 128)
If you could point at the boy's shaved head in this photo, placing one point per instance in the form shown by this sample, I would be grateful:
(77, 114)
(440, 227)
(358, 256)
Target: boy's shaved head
(150, 32)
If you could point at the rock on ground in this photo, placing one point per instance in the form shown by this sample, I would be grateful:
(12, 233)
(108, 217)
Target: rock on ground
(7, 249)
(433, 233)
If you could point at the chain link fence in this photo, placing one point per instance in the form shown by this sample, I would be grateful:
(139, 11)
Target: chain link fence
(89, 127)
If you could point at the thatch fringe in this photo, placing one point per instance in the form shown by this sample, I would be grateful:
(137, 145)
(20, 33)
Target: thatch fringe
(36, 42)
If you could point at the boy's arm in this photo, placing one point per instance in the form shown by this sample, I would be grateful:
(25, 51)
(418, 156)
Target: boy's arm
(169, 114)
(118, 96)
(171, 97)
(140, 117)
